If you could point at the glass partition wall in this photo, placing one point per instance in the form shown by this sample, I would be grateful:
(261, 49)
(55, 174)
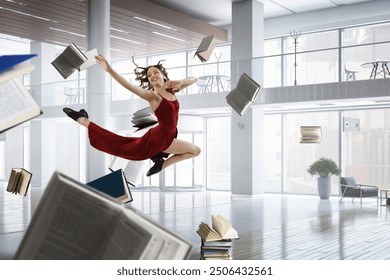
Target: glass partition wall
(363, 154)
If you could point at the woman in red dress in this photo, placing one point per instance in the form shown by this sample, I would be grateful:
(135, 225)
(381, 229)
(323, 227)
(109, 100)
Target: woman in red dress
(161, 140)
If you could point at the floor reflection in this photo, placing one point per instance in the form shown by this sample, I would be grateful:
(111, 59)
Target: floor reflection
(273, 226)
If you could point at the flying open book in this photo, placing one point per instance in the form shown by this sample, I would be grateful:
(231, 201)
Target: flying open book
(310, 134)
(221, 229)
(16, 103)
(205, 48)
(72, 59)
(244, 95)
(19, 181)
(131, 168)
(144, 118)
(74, 221)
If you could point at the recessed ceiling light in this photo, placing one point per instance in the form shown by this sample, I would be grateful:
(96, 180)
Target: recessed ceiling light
(27, 14)
(65, 31)
(119, 30)
(155, 23)
(127, 40)
(168, 36)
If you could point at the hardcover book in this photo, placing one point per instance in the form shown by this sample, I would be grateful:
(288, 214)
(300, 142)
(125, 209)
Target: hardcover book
(113, 184)
(205, 48)
(19, 181)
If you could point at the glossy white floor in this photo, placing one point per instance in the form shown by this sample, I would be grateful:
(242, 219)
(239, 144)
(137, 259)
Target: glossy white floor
(271, 227)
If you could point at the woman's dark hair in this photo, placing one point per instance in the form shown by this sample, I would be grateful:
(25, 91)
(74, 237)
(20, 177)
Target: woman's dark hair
(141, 74)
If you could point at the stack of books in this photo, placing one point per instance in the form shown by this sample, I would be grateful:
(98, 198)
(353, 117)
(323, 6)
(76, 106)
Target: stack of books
(216, 239)
(216, 250)
(144, 118)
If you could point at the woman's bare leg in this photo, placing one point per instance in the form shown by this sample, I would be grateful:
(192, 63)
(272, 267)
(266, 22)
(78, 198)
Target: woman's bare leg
(181, 150)
(83, 121)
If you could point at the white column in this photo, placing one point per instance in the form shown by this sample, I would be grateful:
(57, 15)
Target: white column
(98, 81)
(247, 177)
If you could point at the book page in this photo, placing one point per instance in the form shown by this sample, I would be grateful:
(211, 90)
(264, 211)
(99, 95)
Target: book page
(220, 224)
(16, 104)
(13, 179)
(238, 101)
(164, 245)
(131, 168)
(248, 87)
(24, 182)
(70, 222)
(74, 55)
(90, 59)
(128, 241)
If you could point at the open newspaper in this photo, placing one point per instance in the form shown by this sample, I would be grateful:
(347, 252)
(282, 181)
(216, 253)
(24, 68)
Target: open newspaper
(74, 221)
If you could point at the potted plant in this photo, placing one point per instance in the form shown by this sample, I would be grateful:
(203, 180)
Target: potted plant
(324, 168)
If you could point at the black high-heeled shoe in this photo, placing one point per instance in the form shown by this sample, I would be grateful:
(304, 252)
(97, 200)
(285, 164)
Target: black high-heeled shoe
(156, 167)
(74, 114)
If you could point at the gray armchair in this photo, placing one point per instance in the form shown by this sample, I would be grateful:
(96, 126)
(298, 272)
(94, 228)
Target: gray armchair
(349, 188)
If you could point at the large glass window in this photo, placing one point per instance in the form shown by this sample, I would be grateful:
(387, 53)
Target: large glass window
(273, 63)
(273, 153)
(300, 156)
(218, 153)
(367, 151)
(312, 67)
(355, 56)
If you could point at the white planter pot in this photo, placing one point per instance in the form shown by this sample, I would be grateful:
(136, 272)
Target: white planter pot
(324, 186)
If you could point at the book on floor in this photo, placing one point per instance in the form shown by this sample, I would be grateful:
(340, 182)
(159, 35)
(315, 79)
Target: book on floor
(205, 48)
(74, 221)
(221, 229)
(244, 95)
(16, 104)
(72, 59)
(113, 184)
(131, 168)
(19, 181)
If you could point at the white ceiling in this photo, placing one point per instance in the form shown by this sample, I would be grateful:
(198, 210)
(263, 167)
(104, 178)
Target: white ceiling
(138, 26)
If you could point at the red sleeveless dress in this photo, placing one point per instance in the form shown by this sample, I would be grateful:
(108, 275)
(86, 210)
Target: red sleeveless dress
(153, 142)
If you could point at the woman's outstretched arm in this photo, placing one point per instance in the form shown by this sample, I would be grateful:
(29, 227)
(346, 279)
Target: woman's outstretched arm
(143, 93)
(177, 85)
